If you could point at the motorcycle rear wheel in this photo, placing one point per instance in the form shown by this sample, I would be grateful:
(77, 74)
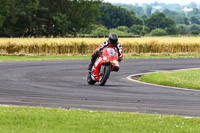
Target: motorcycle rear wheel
(106, 75)
(90, 80)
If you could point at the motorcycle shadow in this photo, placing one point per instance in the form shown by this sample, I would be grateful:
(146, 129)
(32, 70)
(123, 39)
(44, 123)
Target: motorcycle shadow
(110, 86)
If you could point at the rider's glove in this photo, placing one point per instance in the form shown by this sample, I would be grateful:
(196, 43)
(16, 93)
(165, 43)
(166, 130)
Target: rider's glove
(119, 59)
(97, 52)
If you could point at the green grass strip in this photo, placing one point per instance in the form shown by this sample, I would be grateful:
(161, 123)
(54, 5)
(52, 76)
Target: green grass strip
(36, 58)
(185, 79)
(47, 120)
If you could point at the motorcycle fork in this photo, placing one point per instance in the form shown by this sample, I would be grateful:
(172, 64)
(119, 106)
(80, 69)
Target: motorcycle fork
(101, 69)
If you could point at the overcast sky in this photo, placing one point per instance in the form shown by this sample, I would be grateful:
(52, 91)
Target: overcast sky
(182, 2)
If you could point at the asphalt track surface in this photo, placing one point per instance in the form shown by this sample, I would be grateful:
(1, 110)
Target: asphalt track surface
(63, 84)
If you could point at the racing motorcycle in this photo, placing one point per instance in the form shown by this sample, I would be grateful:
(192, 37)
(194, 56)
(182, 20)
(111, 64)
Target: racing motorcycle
(102, 67)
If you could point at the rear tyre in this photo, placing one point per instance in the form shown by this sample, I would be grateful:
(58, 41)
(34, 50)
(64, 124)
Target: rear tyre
(90, 80)
(106, 75)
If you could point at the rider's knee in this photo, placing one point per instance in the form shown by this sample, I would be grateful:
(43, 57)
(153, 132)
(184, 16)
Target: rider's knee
(116, 68)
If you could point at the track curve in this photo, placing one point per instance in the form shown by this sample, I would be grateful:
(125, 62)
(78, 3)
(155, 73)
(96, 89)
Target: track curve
(63, 84)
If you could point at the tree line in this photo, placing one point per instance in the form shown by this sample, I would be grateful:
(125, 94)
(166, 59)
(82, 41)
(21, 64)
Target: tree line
(37, 18)
(186, 17)
(46, 17)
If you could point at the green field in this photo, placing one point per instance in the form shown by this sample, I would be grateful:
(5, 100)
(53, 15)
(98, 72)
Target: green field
(70, 57)
(34, 58)
(47, 120)
(185, 79)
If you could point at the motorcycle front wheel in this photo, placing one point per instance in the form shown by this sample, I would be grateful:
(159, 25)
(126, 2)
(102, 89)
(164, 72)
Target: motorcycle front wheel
(105, 75)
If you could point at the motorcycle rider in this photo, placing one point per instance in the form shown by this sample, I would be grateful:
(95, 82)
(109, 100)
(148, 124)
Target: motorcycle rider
(112, 42)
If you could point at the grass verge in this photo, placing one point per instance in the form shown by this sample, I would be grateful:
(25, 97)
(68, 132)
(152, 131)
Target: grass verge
(73, 57)
(35, 58)
(47, 120)
(185, 79)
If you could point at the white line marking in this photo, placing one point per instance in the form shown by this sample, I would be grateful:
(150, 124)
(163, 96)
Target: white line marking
(129, 78)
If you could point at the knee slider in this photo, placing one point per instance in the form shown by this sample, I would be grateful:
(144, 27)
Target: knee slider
(116, 68)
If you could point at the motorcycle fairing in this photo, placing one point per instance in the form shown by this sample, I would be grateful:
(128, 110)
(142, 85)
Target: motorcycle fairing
(107, 53)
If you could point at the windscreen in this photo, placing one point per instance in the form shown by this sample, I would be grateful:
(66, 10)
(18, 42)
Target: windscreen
(111, 52)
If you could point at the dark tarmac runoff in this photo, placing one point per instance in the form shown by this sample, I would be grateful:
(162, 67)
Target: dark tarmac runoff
(62, 84)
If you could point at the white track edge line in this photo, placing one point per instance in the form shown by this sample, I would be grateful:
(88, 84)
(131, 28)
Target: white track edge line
(177, 88)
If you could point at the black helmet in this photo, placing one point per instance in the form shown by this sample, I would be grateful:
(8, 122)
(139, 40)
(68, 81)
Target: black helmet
(113, 39)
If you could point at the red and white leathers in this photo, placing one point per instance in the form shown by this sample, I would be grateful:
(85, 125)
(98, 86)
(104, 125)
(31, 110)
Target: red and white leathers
(118, 48)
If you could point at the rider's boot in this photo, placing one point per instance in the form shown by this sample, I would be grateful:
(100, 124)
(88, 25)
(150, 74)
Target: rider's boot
(90, 66)
(92, 63)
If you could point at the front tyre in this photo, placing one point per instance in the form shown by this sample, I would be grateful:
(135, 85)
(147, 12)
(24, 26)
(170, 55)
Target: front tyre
(90, 80)
(106, 75)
